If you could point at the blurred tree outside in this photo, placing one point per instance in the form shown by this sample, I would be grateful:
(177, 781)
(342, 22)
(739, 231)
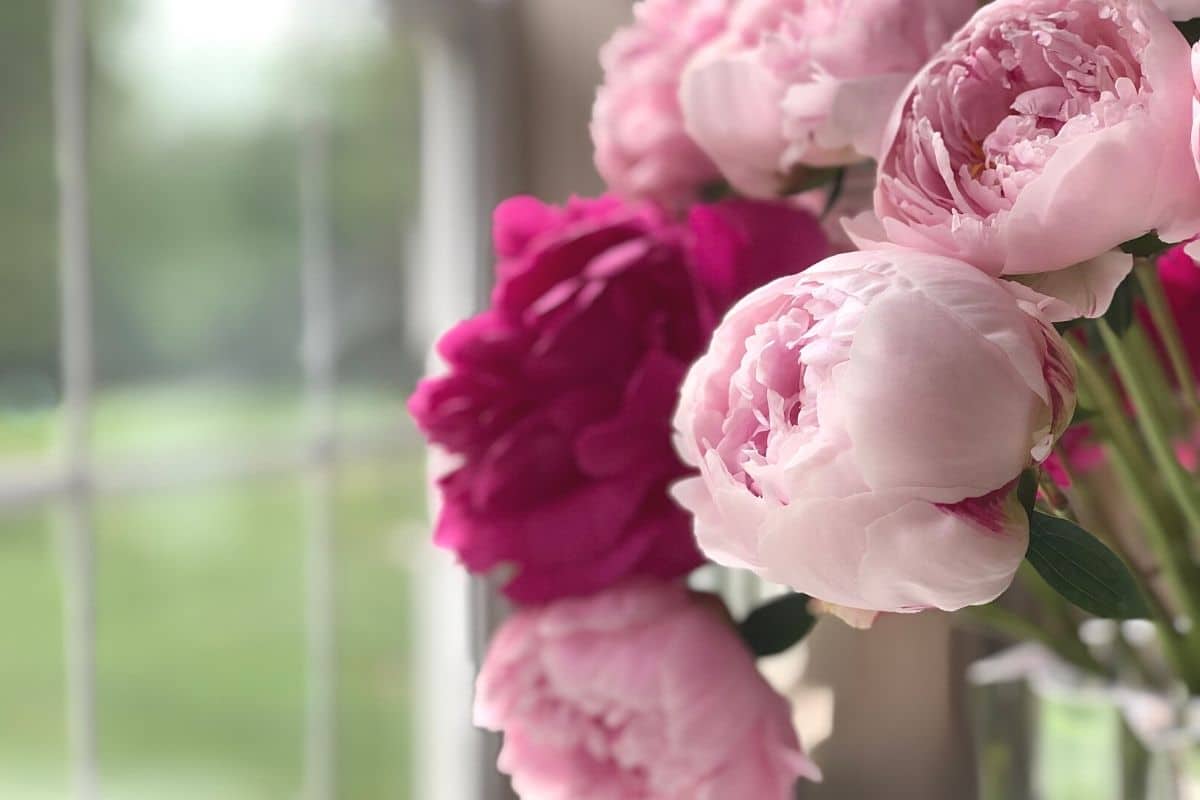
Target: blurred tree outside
(195, 227)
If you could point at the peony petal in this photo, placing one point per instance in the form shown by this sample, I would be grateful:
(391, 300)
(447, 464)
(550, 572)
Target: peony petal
(1067, 215)
(858, 618)
(930, 406)
(731, 109)
(861, 111)
(1084, 290)
(925, 557)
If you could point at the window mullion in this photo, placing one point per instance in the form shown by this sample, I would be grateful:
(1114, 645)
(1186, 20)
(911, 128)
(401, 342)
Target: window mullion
(319, 348)
(69, 48)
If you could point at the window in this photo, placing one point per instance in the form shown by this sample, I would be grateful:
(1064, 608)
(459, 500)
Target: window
(211, 502)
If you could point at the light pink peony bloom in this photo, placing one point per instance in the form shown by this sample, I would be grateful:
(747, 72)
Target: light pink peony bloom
(860, 427)
(798, 83)
(641, 692)
(1044, 134)
(642, 151)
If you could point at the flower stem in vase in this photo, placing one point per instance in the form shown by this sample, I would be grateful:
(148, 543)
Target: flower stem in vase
(1017, 627)
(1168, 331)
(1065, 628)
(1054, 497)
(1171, 551)
(1153, 429)
(1143, 562)
(1148, 363)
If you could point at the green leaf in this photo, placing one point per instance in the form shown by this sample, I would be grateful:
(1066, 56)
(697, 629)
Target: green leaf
(1083, 415)
(835, 191)
(777, 625)
(1082, 569)
(1027, 489)
(1067, 325)
(715, 191)
(1120, 314)
(1145, 246)
(1190, 30)
(803, 179)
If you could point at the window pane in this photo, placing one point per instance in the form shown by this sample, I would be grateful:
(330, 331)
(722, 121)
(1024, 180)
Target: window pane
(200, 431)
(202, 638)
(198, 121)
(201, 642)
(380, 519)
(32, 737)
(28, 260)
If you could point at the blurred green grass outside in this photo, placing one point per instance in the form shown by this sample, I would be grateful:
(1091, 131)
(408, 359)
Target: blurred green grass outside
(146, 420)
(201, 599)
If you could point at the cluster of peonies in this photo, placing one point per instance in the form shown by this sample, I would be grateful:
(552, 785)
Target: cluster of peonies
(551, 416)
(656, 372)
(859, 428)
(756, 91)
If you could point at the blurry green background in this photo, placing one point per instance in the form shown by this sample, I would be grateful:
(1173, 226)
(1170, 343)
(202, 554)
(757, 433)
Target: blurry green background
(197, 328)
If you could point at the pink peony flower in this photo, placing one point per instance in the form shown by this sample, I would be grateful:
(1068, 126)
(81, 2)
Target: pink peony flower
(556, 403)
(642, 692)
(798, 83)
(642, 150)
(1044, 134)
(860, 429)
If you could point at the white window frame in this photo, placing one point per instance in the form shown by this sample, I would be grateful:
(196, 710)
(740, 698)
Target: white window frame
(470, 161)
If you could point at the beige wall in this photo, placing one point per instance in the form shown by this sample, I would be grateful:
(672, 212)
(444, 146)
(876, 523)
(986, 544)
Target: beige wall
(899, 730)
(559, 72)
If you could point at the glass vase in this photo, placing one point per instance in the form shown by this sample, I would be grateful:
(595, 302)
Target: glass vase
(1045, 731)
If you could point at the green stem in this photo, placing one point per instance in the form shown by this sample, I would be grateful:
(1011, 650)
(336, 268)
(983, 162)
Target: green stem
(1135, 764)
(1146, 360)
(1063, 626)
(1179, 482)
(1170, 552)
(1164, 322)
(1121, 434)
(1098, 525)
(1016, 627)
(1055, 499)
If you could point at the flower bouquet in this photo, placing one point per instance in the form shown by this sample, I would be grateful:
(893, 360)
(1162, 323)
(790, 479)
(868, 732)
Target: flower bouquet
(977, 372)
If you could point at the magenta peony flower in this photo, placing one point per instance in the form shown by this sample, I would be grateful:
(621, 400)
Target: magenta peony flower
(799, 83)
(1044, 134)
(642, 150)
(557, 401)
(642, 692)
(1180, 277)
(860, 429)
